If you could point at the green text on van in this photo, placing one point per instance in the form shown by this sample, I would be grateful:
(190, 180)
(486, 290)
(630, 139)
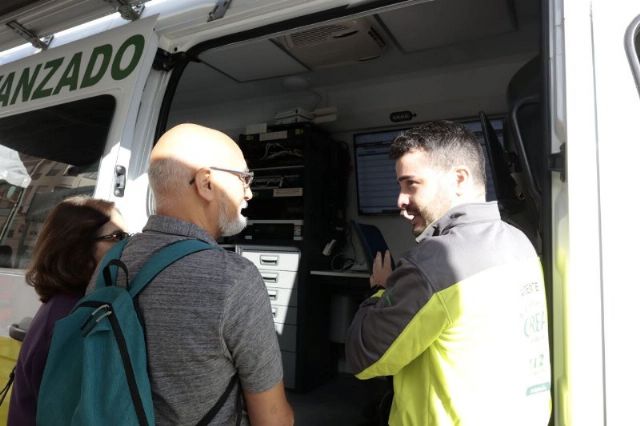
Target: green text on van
(102, 58)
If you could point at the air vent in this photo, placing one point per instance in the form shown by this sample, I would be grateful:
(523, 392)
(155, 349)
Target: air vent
(316, 36)
(330, 45)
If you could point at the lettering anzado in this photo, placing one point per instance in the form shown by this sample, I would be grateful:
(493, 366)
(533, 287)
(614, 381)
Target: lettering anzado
(67, 73)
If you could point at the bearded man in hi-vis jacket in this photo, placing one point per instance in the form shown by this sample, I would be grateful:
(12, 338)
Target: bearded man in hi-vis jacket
(461, 323)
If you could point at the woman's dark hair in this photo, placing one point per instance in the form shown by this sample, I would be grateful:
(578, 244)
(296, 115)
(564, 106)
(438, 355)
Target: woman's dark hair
(63, 258)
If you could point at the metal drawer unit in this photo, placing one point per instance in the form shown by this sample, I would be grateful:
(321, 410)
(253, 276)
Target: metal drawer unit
(279, 269)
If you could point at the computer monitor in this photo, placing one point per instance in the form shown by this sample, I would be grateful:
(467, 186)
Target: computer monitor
(376, 184)
(372, 242)
(377, 188)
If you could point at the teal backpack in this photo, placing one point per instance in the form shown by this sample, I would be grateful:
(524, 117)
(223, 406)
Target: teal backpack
(96, 370)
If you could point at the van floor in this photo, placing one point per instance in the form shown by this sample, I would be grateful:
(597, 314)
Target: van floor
(343, 401)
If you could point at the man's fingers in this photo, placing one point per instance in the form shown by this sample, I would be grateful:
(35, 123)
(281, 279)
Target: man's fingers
(387, 261)
(377, 261)
(377, 269)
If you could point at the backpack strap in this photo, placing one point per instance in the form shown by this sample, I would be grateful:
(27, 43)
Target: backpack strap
(5, 390)
(112, 255)
(218, 405)
(163, 258)
(239, 407)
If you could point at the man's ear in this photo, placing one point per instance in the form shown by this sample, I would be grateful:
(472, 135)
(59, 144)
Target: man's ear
(463, 180)
(203, 185)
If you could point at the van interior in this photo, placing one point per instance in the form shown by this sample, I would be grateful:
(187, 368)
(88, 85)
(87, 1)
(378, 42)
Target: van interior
(353, 83)
(371, 73)
(315, 103)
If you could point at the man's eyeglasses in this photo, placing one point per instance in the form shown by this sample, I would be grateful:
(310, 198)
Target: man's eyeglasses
(245, 177)
(114, 236)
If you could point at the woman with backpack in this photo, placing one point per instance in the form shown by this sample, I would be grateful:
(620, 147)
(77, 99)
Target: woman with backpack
(74, 238)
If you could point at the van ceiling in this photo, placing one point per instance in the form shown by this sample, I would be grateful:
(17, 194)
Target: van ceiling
(441, 33)
(45, 17)
(441, 23)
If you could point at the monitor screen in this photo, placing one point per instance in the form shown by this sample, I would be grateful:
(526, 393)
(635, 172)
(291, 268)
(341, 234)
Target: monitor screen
(375, 172)
(376, 184)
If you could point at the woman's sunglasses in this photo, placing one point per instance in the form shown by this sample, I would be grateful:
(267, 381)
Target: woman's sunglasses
(114, 236)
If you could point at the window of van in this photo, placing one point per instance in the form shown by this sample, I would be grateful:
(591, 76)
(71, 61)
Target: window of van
(45, 156)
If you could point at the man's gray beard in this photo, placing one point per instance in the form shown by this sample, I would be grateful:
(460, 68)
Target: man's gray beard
(229, 227)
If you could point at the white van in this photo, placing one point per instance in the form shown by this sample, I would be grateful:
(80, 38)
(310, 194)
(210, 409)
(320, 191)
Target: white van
(558, 80)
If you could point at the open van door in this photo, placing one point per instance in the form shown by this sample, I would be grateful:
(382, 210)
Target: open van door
(35, 21)
(595, 107)
(67, 117)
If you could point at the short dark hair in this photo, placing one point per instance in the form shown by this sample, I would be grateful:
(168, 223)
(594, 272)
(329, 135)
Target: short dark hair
(63, 258)
(447, 143)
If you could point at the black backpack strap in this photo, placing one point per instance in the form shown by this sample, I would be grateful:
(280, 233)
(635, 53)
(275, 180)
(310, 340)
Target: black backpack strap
(109, 265)
(219, 403)
(107, 271)
(239, 407)
(5, 390)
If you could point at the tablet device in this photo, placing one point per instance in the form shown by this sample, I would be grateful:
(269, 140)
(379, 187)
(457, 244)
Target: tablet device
(372, 242)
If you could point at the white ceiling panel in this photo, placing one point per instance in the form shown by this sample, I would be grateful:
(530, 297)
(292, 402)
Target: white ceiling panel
(253, 61)
(445, 22)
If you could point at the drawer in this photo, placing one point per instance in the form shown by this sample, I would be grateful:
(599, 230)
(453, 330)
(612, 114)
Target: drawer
(286, 336)
(282, 296)
(279, 279)
(284, 314)
(289, 369)
(278, 260)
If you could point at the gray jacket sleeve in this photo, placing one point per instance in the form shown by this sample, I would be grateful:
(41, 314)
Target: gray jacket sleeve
(379, 327)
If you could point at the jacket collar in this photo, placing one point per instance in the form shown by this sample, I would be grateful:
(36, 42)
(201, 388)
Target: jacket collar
(460, 215)
(171, 225)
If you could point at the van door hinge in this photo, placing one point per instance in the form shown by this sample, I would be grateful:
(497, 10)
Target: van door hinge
(165, 61)
(120, 181)
(41, 42)
(558, 162)
(219, 10)
(129, 10)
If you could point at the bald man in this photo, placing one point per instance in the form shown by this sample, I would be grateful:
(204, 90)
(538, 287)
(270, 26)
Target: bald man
(207, 317)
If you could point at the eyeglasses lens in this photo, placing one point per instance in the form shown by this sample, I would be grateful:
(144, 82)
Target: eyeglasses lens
(115, 236)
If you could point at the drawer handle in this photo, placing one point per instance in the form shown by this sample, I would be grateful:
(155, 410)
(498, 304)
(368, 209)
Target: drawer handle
(269, 260)
(269, 278)
(273, 294)
(274, 312)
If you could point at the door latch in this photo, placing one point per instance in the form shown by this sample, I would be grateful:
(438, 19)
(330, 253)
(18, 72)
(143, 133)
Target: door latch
(558, 162)
(120, 181)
